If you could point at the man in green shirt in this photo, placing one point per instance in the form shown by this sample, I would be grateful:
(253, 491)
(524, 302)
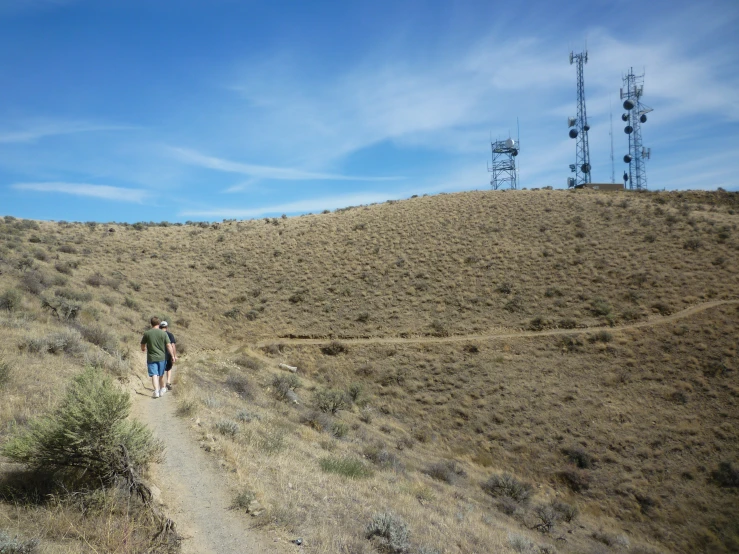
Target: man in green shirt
(155, 343)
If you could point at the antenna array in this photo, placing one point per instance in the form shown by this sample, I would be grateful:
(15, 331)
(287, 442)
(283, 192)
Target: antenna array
(503, 168)
(635, 177)
(579, 127)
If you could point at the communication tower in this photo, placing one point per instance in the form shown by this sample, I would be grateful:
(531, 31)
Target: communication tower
(579, 127)
(503, 168)
(635, 177)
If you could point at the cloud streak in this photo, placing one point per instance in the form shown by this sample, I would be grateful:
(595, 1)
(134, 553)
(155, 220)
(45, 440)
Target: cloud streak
(301, 206)
(193, 157)
(40, 130)
(105, 192)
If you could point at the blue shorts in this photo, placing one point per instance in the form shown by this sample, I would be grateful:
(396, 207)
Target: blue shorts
(156, 369)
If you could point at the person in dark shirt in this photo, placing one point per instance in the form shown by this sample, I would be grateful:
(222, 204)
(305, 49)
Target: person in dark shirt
(164, 326)
(156, 344)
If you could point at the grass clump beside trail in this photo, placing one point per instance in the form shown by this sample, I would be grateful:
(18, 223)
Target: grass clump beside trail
(347, 467)
(88, 434)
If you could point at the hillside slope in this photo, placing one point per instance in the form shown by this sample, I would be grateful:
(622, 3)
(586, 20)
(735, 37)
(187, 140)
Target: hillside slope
(635, 425)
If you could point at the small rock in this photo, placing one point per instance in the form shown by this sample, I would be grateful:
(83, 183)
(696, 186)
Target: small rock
(254, 508)
(156, 494)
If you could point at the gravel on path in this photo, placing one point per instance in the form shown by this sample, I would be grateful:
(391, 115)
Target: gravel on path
(194, 490)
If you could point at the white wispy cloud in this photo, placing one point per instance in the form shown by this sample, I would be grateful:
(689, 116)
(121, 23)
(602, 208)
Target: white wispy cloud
(309, 205)
(193, 157)
(119, 194)
(36, 130)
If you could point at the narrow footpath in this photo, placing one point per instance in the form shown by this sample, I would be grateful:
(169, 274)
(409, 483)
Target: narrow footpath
(194, 490)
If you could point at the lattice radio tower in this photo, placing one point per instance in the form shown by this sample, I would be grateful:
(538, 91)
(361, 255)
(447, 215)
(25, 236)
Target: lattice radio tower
(503, 168)
(579, 127)
(635, 178)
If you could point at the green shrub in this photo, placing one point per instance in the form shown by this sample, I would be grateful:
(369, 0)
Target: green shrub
(507, 485)
(601, 336)
(447, 471)
(438, 329)
(392, 531)
(354, 391)
(62, 308)
(96, 280)
(515, 304)
(99, 336)
(5, 372)
(68, 341)
(241, 385)
(283, 385)
(566, 512)
(331, 401)
(348, 467)
(88, 433)
(227, 428)
(243, 499)
(379, 455)
(692, 244)
(334, 348)
(600, 306)
(248, 362)
(14, 545)
(76, 295)
(579, 457)
(726, 475)
(10, 300)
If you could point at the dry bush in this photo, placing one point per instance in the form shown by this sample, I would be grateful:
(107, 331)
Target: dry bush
(506, 485)
(447, 471)
(241, 385)
(331, 401)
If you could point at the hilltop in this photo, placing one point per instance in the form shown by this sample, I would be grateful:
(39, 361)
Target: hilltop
(581, 343)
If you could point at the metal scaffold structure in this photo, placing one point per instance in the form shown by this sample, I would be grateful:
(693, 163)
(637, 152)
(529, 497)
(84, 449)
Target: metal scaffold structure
(635, 178)
(579, 127)
(503, 168)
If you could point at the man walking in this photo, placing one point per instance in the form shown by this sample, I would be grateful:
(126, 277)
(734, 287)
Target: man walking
(155, 343)
(164, 326)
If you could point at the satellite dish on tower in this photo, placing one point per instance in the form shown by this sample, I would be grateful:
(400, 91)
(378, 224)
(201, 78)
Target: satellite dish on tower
(510, 143)
(628, 104)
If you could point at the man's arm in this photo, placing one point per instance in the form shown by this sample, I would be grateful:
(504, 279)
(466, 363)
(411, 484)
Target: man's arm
(143, 347)
(171, 351)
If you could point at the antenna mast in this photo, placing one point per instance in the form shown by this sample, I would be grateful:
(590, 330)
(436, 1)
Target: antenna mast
(613, 166)
(635, 178)
(579, 127)
(503, 168)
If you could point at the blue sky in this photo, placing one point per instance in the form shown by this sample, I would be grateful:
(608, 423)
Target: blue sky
(132, 110)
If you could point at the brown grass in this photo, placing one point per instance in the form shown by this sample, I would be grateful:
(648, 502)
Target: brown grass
(628, 426)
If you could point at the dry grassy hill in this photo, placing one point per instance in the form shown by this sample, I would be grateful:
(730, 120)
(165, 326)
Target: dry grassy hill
(543, 334)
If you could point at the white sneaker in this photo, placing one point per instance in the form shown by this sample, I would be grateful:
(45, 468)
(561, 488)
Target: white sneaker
(162, 391)
(156, 393)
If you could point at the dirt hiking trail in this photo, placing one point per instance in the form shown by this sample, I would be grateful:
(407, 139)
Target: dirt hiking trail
(194, 490)
(503, 334)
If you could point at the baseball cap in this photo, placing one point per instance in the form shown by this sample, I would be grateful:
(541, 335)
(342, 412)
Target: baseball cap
(163, 324)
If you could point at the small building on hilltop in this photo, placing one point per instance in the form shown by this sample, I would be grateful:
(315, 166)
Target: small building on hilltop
(603, 186)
